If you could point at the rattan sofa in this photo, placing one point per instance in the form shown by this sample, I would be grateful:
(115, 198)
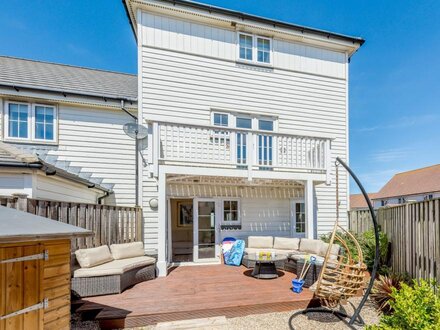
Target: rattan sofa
(109, 273)
(293, 248)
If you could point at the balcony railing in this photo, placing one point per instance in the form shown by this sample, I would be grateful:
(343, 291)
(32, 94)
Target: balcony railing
(238, 148)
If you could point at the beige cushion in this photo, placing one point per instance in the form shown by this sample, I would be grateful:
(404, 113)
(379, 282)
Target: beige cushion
(312, 246)
(286, 243)
(115, 267)
(127, 250)
(93, 257)
(264, 242)
(297, 257)
(334, 252)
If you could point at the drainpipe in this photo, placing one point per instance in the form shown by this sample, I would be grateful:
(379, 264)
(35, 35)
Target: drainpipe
(136, 156)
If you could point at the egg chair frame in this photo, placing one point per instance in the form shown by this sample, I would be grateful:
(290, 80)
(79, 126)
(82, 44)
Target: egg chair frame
(343, 277)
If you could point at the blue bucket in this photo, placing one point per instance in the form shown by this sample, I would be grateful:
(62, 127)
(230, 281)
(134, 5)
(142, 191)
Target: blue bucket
(297, 285)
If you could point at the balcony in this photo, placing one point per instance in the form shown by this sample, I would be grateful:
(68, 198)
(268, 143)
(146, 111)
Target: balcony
(251, 150)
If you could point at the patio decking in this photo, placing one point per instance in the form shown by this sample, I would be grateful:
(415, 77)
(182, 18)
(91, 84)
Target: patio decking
(196, 292)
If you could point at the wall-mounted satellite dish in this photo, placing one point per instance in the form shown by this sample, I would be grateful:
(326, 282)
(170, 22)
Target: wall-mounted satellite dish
(135, 131)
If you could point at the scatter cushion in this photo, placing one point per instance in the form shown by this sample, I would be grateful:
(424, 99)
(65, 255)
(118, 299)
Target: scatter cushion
(312, 246)
(286, 243)
(127, 250)
(262, 242)
(115, 267)
(93, 257)
(334, 252)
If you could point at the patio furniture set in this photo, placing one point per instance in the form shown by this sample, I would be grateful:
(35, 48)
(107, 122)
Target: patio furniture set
(267, 254)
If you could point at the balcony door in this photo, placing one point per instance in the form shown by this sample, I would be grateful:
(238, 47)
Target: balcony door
(265, 144)
(206, 229)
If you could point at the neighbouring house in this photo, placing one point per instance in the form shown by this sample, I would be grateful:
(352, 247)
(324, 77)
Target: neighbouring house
(358, 202)
(245, 116)
(416, 185)
(62, 135)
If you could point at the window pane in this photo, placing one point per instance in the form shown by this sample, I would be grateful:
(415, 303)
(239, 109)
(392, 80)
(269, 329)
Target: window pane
(244, 122)
(39, 131)
(13, 128)
(265, 125)
(13, 111)
(23, 130)
(49, 132)
(39, 114)
(23, 112)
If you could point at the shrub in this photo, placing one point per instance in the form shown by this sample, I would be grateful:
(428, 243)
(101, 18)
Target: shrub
(415, 308)
(368, 246)
(383, 288)
(351, 246)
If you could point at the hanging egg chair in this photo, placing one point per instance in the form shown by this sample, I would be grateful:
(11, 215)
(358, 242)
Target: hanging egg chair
(343, 276)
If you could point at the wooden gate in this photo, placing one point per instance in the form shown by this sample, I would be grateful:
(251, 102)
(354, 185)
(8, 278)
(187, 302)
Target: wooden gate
(20, 287)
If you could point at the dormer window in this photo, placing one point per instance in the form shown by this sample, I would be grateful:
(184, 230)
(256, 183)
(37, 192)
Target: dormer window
(254, 49)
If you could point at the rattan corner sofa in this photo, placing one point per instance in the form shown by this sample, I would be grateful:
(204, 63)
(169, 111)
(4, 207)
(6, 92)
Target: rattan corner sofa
(294, 249)
(105, 270)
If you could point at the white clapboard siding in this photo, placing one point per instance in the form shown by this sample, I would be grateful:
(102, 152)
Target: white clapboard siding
(93, 140)
(204, 40)
(53, 188)
(189, 69)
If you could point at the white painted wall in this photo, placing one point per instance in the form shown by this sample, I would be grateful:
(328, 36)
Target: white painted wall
(93, 139)
(35, 184)
(189, 68)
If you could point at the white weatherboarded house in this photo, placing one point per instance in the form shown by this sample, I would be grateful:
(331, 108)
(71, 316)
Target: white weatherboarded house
(246, 116)
(62, 132)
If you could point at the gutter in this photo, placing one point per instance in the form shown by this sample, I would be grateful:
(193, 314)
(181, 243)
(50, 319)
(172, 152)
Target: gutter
(64, 93)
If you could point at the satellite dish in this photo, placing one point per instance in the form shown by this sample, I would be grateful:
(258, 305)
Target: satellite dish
(135, 131)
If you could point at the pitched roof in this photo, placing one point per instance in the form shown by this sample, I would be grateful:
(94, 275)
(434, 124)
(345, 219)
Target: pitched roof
(12, 156)
(17, 72)
(22, 226)
(419, 181)
(357, 201)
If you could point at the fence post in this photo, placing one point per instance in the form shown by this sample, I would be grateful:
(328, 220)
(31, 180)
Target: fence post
(21, 201)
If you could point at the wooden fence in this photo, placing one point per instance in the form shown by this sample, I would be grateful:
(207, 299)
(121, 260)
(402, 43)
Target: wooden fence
(359, 221)
(111, 224)
(414, 232)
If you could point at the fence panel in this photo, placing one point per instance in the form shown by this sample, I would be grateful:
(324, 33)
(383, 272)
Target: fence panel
(110, 224)
(414, 232)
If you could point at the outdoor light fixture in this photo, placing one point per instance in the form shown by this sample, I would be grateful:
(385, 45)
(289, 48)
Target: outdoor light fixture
(153, 203)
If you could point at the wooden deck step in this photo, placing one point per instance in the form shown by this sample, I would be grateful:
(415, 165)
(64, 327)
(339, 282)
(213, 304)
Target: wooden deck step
(209, 323)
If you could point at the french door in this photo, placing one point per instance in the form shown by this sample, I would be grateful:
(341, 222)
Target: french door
(298, 218)
(206, 226)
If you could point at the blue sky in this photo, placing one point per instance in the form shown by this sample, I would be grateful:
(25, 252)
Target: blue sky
(394, 78)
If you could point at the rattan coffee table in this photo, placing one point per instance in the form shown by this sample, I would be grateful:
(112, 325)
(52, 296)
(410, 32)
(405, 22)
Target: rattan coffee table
(265, 268)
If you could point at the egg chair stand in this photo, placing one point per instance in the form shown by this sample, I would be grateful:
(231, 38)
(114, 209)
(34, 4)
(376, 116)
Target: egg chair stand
(343, 277)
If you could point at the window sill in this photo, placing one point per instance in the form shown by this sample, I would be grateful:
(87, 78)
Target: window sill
(257, 64)
(24, 141)
(230, 227)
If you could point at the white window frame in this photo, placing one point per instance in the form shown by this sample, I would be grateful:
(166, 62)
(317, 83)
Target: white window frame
(6, 122)
(255, 49)
(293, 203)
(31, 123)
(222, 212)
(55, 123)
(270, 49)
(214, 112)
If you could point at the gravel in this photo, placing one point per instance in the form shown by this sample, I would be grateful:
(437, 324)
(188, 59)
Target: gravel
(280, 321)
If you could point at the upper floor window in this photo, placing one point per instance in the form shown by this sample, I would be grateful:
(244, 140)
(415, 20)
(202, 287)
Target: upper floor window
(263, 50)
(18, 120)
(30, 122)
(255, 49)
(246, 47)
(265, 125)
(243, 122)
(220, 119)
(44, 122)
